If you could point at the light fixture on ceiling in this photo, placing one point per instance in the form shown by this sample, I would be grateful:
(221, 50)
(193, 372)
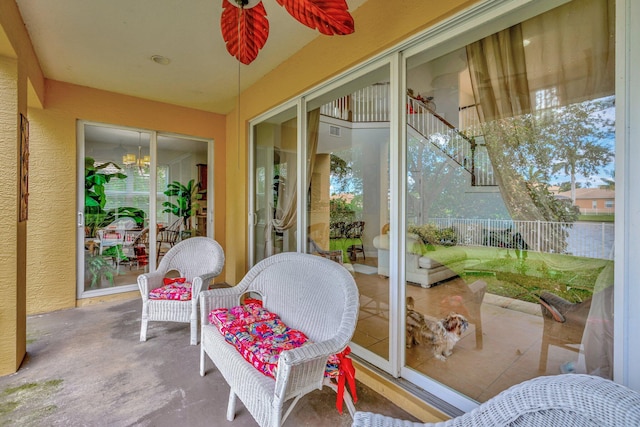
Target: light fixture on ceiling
(130, 159)
(245, 27)
(159, 59)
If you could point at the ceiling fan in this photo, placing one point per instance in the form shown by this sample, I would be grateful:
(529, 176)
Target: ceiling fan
(245, 27)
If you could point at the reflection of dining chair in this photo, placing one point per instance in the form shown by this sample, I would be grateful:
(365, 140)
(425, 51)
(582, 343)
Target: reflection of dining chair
(167, 238)
(564, 324)
(110, 238)
(336, 230)
(354, 232)
(136, 247)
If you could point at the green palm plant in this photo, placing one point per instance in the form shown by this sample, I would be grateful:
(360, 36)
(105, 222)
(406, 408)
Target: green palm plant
(185, 206)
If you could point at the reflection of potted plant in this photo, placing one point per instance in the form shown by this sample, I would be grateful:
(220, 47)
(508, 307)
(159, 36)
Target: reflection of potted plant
(95, 178)
(99, 266)
(184, 206)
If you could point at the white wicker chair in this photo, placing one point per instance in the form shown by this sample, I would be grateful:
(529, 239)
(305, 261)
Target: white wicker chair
(309, 293)
(560, 400)
(199, 260)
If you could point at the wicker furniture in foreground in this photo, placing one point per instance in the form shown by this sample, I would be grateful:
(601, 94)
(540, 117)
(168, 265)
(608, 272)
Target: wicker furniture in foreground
(199, 260)
(311, 294)
(553, 401)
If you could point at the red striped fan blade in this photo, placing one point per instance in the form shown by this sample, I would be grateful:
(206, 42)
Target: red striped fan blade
(327, 16)
(244, 31)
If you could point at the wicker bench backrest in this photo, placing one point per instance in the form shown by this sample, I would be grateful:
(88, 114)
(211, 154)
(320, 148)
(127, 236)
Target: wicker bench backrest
(315, 304)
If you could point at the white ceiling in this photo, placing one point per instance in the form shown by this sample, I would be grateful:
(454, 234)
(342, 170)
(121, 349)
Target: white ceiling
(108, 45)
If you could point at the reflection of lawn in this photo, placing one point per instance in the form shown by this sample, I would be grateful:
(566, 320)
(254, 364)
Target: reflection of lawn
(570, 277)
(343, 244)
(597, 218)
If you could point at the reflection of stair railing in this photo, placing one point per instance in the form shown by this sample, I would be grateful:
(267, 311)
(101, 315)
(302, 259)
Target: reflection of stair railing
(371, 104)
(467, 151)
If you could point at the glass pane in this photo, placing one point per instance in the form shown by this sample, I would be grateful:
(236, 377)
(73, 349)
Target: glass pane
(510, 204)
(116, 206)
(180, 190)
(347, 205)
(275, 142)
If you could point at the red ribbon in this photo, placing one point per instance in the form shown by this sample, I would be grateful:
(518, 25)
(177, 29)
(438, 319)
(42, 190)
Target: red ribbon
(346, 372)
(170, 280)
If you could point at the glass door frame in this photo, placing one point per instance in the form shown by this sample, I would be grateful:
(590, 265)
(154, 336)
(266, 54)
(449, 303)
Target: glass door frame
(81, 293)
(392, 62)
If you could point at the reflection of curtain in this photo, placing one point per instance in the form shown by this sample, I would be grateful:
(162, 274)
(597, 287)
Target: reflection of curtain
(501, 89)
(571, 49)
(284, 215)
(560, 57)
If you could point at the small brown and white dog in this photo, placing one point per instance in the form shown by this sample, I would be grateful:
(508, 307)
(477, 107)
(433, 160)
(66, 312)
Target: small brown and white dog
(442, 334)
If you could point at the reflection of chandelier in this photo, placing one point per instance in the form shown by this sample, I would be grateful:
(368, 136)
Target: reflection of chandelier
(130, 159)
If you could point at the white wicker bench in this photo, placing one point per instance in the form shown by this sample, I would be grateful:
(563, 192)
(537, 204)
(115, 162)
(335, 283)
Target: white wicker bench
(553, 401)
(309, 293)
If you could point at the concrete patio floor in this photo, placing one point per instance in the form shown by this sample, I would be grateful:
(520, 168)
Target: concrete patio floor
(87, 367)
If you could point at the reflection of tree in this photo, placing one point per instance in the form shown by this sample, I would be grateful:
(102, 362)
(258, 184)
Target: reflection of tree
(437, 188)
(346, 173)
(341, 173)
(522, 163)
(609, 184)
(576, 135)
(429, 174)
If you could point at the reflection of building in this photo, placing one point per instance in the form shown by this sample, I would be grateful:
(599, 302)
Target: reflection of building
(593, 200)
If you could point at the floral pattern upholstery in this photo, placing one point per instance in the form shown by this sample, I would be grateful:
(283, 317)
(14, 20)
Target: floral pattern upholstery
(177, 289)
(260, 336)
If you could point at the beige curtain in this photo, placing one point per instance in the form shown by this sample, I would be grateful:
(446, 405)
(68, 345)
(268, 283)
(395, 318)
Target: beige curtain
(571, 49)
(285, 213)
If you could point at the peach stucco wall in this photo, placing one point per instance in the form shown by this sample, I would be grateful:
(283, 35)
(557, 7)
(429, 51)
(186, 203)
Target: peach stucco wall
(51, 269)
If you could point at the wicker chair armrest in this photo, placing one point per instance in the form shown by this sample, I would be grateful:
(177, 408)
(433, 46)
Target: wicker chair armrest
(202, 282)
(149, 281)
(311, 351)
(218, 298)
(208, 277)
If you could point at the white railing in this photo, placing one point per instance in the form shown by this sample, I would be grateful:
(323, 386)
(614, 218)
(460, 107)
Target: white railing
(584, 239)
(369, 104)
(469, 122)
(469, 152)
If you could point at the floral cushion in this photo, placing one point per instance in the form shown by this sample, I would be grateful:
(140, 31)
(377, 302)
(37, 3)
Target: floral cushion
(229, 320)
(260, 336)
(177, 289)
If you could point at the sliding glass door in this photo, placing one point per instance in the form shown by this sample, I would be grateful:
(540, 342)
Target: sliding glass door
(510, 204)
(348, 143)
(128, 216)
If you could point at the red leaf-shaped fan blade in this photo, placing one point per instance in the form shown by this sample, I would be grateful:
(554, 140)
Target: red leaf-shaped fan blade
(245, 31)
(327, 16)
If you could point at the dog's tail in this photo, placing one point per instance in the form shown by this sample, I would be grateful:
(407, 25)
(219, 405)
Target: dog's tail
(410, 303)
